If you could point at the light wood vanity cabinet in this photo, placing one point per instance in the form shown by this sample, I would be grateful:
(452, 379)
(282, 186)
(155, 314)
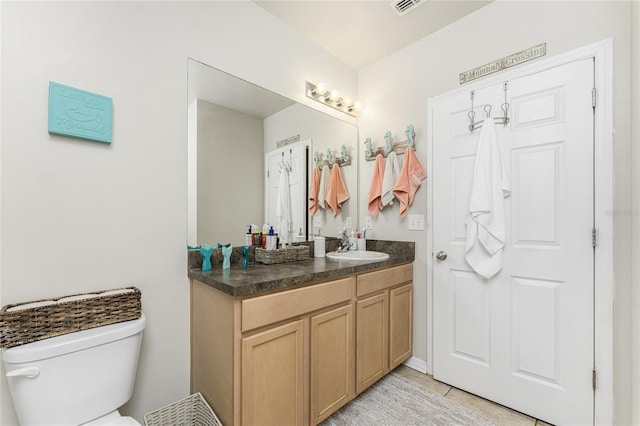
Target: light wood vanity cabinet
(385, 323)
(332, 357)
(273, 365)
(295, 357)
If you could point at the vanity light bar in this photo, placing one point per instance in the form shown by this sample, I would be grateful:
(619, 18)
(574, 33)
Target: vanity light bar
(318, 92)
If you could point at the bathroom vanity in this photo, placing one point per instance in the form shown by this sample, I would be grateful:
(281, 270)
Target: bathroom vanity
(290, 344)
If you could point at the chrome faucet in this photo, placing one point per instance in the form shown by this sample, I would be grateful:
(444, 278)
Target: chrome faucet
(345, 243)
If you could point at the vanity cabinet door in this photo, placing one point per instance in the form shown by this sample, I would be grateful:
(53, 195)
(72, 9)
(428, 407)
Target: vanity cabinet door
(332, 361)
(372, 331)
(400, 324)
(273, 376)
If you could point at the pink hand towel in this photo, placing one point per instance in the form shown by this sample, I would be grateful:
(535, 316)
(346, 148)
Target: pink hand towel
(375, 190)
(409, 179)
(336, 191)
(314, 189)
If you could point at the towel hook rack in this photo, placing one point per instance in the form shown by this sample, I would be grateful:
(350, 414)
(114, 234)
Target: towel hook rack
(331, 158)
(390, 146)
(487, 110)
(286, 164)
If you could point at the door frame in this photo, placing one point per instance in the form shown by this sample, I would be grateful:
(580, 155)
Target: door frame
(602, 52)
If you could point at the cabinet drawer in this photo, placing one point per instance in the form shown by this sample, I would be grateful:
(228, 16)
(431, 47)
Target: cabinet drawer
(379, 280)
(264, 310)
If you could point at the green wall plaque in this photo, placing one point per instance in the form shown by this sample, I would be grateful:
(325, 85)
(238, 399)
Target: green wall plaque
(80, 114)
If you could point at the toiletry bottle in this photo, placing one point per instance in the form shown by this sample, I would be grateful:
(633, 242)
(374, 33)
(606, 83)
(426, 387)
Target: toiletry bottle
(256, 238)
(352, 239)
(271, 239)
(265, 232)
(247, 237)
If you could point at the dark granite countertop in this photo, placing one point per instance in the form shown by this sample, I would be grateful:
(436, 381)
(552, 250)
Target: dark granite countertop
(259, 278)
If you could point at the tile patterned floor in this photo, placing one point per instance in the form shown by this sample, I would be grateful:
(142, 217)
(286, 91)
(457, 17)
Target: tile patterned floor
(502, 416)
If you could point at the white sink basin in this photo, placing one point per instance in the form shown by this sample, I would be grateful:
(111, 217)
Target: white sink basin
(358, 255)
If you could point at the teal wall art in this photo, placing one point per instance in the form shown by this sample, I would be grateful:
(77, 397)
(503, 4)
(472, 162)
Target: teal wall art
(80, 114)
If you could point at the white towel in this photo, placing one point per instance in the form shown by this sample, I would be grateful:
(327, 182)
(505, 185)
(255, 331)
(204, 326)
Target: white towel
(325, 177)
(283, 207)
(486, 234)
(391, 170)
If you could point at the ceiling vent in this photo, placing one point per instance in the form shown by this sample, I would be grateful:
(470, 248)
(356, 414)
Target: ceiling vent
(402, 7)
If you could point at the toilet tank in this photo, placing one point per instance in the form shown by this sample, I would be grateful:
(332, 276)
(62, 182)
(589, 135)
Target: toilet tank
(74, 378)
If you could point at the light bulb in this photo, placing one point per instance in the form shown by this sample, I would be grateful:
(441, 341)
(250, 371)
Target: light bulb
(358, 105)
(347, 101)
(321, 88)
(334, 94)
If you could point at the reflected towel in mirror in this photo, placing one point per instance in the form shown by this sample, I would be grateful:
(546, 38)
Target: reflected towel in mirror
(336, 191)
(314, 190)
(375, 189)
(283, 207)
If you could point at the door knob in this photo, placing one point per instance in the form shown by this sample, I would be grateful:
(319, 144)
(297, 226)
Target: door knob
(441, 255)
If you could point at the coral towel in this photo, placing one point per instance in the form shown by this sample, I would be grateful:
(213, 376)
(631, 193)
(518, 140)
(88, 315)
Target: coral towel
(336, 191)
(391, 171)
(486, 223)
(314, 189)
(324, 183)
(375, 190)
(409, 179)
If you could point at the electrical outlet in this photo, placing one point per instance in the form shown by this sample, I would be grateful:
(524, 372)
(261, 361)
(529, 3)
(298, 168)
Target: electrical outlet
(416, 222)
(367, 222)
(317, 221)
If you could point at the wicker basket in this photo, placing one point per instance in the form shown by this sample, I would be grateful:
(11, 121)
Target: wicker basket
(291, 254)
(190, 411)
(43, 319)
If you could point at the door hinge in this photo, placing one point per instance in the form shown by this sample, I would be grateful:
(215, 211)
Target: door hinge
(593, 97)
(594, 237)
(594, 379)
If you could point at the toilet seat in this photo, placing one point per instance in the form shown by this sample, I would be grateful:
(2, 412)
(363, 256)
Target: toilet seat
(113, 419)
(123, 421)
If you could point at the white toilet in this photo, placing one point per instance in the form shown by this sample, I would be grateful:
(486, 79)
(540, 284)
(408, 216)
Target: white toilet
(79, 378)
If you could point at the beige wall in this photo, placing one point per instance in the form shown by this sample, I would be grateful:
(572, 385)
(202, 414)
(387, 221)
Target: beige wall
(230, 174)
(635, 252)
(78, 216)
(395, 92)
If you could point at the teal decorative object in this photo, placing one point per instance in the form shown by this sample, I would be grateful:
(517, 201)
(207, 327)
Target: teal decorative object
(80, 114)
(206, 251)
(368, 153)
(245, 257)
(226, 256)
(411, 134)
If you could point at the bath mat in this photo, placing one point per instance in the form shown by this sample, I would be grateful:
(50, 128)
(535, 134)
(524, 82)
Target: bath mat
(396, 401)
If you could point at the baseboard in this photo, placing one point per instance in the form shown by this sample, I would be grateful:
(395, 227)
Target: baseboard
(417, 364)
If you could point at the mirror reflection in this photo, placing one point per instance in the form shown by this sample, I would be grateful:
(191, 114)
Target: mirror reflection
(241, 137)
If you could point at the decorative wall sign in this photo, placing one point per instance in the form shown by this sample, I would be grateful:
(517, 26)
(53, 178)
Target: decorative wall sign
(504, 63)
(284, 142)
(80, 114)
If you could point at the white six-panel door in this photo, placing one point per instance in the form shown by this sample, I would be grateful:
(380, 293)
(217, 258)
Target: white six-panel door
(295, 155)
(525, 337)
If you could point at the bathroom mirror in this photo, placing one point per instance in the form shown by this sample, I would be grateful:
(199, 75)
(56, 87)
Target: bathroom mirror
(234, 126)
